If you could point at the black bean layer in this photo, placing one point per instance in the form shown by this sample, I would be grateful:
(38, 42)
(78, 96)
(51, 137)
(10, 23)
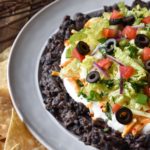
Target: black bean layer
(72, 115)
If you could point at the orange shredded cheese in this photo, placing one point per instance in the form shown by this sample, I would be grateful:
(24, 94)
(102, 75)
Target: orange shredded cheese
(66, 43)
(128, 127)
(89, 105)
(66, 62)
(55, 73)
(136, 126)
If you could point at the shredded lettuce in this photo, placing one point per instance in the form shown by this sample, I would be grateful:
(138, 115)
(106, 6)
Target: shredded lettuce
(90, 35)
(123, 8)
(71, 70)
(86, 66)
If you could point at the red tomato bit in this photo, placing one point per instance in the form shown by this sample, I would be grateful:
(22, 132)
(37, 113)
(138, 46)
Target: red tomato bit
(77, 55)
(116, 107)
(129, 32)
(109, 33)
(147, 90)
(127, 71)
(116, 14)
(105, 63)
(146, 20)
(146, 54)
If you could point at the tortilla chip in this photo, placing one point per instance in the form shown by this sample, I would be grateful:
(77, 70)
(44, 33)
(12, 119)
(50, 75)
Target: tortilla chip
(1, 145)
(18, 133)
(5, 54)
(16, 147)
(5, 115)
(3, 79)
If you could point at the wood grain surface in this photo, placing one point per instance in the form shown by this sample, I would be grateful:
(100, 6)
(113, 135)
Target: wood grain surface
(13, 15)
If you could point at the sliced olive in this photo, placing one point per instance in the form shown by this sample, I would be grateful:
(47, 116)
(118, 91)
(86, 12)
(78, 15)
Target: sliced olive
(115, 21)
(124, 115)
(142, 41)
(109, 46)
(148, 79)
(129, 20)
(83, 48)
(93, 77)
(147, 65)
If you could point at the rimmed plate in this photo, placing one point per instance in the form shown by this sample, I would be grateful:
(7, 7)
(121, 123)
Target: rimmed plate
(23, 72)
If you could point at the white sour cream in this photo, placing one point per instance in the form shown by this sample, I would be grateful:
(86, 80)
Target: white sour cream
(95, 108)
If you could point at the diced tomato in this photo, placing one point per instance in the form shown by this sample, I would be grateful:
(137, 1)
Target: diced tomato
(127, 71)
(116, 15)
(77, 55)
(109, 33)
(147, 90)
(116, 107)
(146, 20)
(146, 54)
(129, 32)
(105, 63)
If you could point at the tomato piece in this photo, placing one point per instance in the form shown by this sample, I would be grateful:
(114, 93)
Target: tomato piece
(146, 20)
(129, 32)
(116, 107)
(109, 33)
(77, 55)
(147, 90)
(116, 14)
(127, 71)
(146, 54)
(105, 63)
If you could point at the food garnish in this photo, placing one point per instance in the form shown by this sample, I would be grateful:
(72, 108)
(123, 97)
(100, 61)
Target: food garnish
(108, 64)
(124, 115)
(142, 41)
(93, 77)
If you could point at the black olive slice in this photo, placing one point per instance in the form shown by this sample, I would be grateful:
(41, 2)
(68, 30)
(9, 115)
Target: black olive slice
(93, 77)
(142, 41)
(147, 65)
(124, 115)
(129, 20)
(115, 21)
(83, 48)
(109, 46)
(148, 79)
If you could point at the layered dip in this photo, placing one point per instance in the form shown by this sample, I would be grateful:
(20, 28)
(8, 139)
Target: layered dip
(94, 76)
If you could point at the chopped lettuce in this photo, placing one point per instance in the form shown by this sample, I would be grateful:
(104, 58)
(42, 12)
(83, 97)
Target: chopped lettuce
(86, 66)
(123, 8)
(71, 70)
(139, 13)
(96, 87)
(115, 96)
(145, 31)
(90, 35)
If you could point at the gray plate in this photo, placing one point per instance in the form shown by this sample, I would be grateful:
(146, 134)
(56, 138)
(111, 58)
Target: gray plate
(23, 72)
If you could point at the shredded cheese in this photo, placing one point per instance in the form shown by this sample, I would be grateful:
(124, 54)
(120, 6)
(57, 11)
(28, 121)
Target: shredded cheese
(136, 126)
(141, 113)
(128, 127)
(66, 62)
(55, 73)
